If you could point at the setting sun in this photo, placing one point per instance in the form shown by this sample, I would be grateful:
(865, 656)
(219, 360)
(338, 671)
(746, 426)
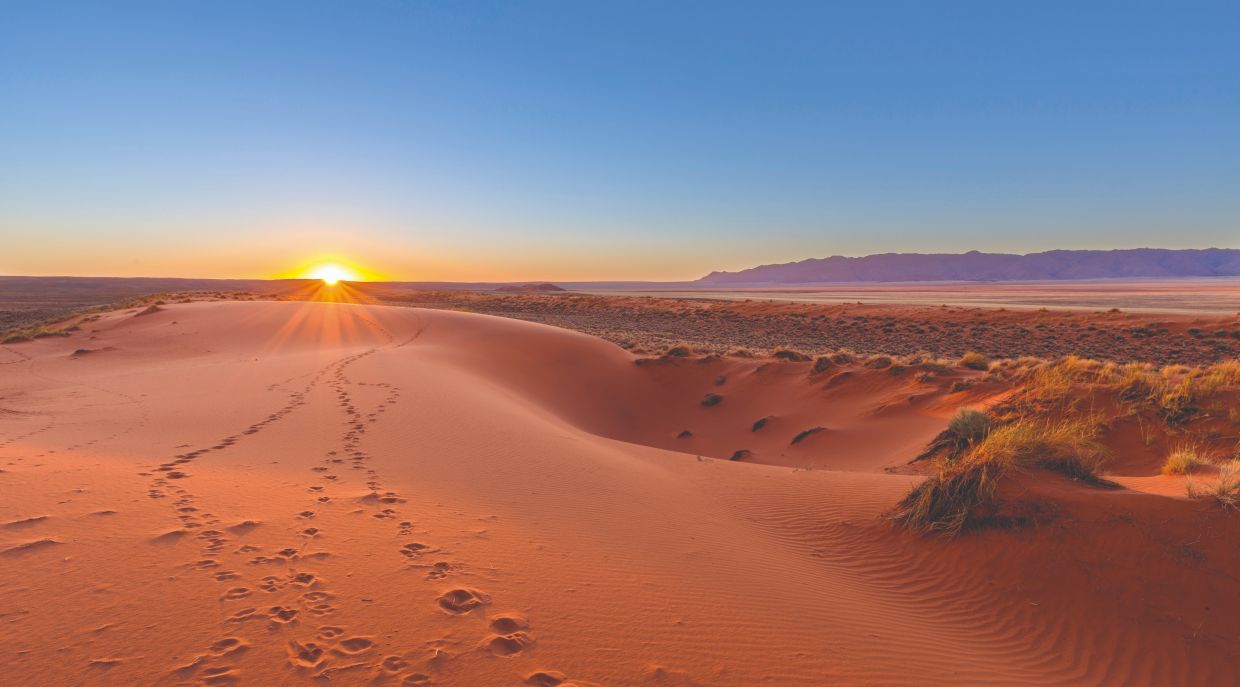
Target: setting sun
(331, 274)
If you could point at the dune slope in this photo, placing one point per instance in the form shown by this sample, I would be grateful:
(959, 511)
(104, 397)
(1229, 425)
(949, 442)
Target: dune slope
(289, 493)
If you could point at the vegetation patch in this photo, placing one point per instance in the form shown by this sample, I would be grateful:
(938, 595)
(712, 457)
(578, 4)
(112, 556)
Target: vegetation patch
(948, 501)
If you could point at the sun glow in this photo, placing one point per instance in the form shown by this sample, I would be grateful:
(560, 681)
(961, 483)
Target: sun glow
(331, 274)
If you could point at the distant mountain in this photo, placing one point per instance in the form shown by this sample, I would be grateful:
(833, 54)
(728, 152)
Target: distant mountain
(975, 266)
(530, 288)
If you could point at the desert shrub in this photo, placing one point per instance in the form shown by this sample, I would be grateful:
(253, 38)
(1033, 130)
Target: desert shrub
(879, 362)
(740, 454)
(842, 357)
(791, 355)
(1136, 383)
(967, 427)
(1227, 487)
(149, 310)
(1183, 460)
(802, 436)
(943, 503)
(822, 364)
(1175, 404)
(1219, 376)
(759, 424)
(711, 400)
(679, 351)
(975, 361)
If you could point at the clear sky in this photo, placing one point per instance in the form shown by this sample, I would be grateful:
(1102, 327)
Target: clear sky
(591, 140)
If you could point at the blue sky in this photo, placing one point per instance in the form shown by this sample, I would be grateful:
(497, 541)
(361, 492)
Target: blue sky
(576, 140)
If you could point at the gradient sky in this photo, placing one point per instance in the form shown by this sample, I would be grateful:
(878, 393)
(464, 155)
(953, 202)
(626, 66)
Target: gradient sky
(589, 140)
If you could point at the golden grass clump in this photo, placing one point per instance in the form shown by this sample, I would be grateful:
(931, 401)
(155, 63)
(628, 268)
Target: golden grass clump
(966, 428)
(975, 361)
(945, 502)
(1227, 488)
(1183, 460)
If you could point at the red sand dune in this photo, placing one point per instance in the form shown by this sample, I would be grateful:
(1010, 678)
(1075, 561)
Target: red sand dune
(289, 493)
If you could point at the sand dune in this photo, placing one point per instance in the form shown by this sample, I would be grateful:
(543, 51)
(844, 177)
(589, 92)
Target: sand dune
(295, 493)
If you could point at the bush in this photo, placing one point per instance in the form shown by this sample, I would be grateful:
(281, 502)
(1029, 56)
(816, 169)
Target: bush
(944, 502)
(806, 434)
(711, 400)
(679, 351)
(822, 364)
(1182, 461)
(975, 361)
(966, 428)
(879, 362)
(1227, 488)
(792, 356)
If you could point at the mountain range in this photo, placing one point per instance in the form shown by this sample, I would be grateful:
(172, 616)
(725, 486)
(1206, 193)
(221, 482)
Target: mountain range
(977, 266)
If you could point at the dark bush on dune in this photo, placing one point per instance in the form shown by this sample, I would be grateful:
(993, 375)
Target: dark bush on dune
(975, 361)
(967, 427)
(711, 400)
(791, 356)
(806, 434)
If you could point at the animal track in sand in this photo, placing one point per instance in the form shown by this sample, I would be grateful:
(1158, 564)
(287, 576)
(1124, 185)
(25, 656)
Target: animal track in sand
(228, 645)
(353, 646)
(220, 675)
(509, 644)
(307, 655)
(281, 615)
(461, 601)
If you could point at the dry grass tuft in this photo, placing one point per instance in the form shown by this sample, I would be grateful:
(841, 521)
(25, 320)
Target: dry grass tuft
(1184, 460)
(1227, 488)
(945, 502)
(975, 361)
(966, 428)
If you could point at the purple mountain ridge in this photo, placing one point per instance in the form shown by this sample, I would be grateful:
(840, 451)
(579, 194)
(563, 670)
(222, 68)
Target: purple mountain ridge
(1132, 263)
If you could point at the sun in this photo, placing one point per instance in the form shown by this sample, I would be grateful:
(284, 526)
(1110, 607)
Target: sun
(331, 274)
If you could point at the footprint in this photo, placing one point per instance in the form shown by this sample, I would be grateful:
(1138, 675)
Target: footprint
(243, 615)
(508, 624)
(221, 675)
(236, 593)
(413, 549)
(355, 645)
(460, 601)
(509, 644)
(308, 655)
(393, 664)
(545, 678)
(282, 615)
(416, 680)
(228, 645)
(330, 631)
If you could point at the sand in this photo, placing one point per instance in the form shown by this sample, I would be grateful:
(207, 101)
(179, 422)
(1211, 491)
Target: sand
(295, 493)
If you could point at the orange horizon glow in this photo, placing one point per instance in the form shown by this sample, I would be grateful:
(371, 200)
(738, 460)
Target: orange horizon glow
(331, 271)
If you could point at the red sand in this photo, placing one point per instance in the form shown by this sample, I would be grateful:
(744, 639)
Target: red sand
(296, 493)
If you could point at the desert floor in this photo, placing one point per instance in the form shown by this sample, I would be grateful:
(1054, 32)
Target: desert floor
(286, 493)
